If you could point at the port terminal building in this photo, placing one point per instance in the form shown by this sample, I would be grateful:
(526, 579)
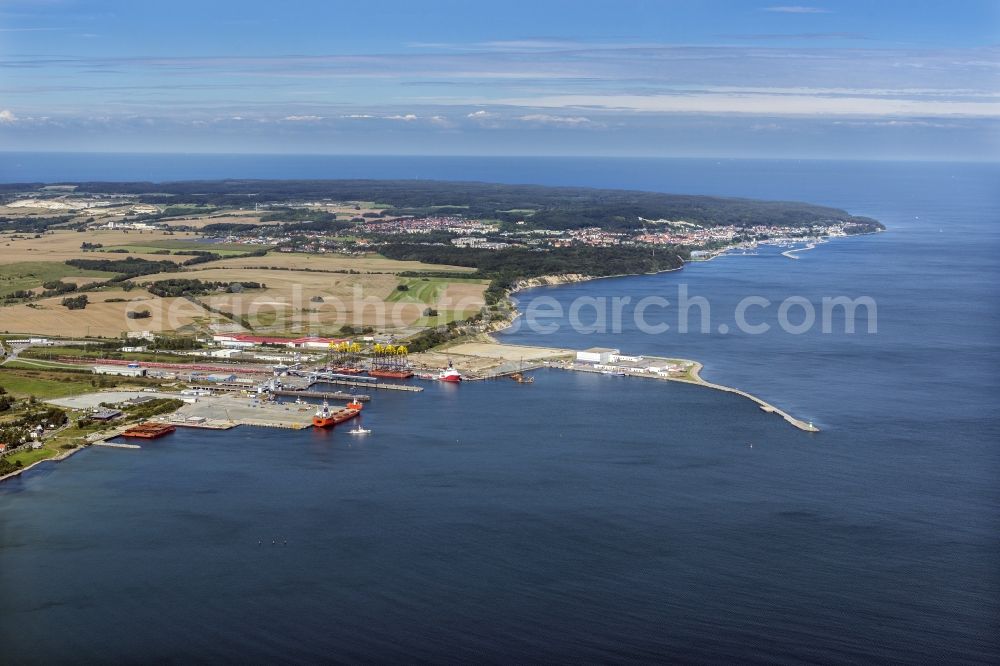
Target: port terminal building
(597, 355)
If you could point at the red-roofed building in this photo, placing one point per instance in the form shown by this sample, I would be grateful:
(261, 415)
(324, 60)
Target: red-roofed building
(243, 340)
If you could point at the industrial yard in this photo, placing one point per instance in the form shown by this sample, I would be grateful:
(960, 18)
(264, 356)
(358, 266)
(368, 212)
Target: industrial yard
(226, 411)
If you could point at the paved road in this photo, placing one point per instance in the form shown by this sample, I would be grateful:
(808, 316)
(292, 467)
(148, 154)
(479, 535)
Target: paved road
(12, 354)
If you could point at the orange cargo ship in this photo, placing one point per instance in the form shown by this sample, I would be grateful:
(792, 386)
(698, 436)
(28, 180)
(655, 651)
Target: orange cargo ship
(324, 418)
(391, 374)
(149, 430)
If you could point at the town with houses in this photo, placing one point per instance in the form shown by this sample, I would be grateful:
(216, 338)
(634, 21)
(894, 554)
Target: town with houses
(377, 227)
(492, 235)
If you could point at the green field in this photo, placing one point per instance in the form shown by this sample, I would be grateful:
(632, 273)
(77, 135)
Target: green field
(444, 317)
(172, 211)
(20, 383)
(418, 291)
(33, 455)
(424, 290)
(31, 274)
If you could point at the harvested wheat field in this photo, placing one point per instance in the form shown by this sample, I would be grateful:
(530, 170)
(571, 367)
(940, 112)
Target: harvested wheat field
(314, 302)
(62, 245)
(49, 317)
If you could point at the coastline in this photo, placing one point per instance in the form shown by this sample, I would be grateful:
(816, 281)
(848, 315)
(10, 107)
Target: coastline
(500, 325)
(53, 459)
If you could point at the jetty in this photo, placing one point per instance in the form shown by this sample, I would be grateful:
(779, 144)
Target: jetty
(386, 386)
(765, 406)
(322, 395)
(117, 445)
(693, 376)
(213, 424)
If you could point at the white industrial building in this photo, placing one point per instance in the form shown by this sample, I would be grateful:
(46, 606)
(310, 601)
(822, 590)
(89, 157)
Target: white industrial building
(225, 353)
(235, 344)
(597, 355)
(623, 358)
(45, 342)
(243, 341)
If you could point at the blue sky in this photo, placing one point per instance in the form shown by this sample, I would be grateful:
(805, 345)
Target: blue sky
(882, 80)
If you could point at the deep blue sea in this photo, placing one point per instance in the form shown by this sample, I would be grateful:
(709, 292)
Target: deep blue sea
(584, 518)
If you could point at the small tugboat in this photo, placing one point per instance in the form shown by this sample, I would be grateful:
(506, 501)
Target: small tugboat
(521, 378)
(450, 374)
(325, 418)
(358, 430)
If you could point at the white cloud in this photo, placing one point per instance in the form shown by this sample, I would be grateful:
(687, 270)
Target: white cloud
(7, 116)
(480, 114)
(548, 119)
(767, 105)
(797, 9)
(302, 119)
(409, 117)
(441, 121)
(897, 123)
(358, 116)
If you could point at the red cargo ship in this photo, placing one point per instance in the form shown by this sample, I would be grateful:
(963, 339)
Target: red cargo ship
(391, 374)
(324, 418)
(149, 430)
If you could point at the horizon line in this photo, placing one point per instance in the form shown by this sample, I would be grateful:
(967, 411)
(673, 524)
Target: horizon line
(964, 160)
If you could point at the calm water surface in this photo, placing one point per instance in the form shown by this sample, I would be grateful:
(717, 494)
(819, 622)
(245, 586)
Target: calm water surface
(583, 517)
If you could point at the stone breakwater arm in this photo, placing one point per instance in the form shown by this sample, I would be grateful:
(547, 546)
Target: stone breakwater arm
(766, 406)
(486, 358)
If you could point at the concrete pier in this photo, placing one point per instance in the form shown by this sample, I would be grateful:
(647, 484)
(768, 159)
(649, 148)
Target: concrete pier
(323, 395)
(117, 445)
(368, 385)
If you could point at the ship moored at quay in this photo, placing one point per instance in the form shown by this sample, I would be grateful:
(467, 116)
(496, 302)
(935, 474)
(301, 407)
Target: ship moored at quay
(327, 418)
(149, 430)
